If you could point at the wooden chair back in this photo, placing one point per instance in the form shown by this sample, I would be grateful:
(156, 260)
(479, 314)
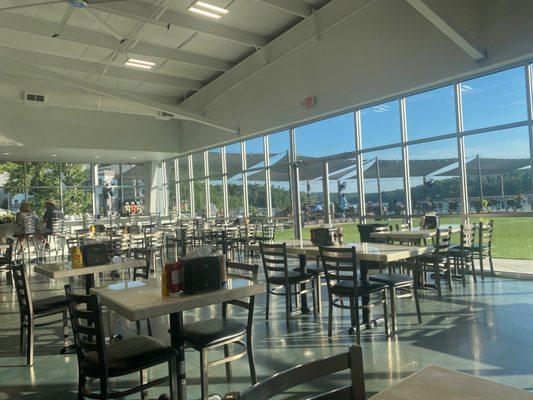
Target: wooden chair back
(485, 233)
(278, 384)
(274, 257)
(22, 288)
(340, 265)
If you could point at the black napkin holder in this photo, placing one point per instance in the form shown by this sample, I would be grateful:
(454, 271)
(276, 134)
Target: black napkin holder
(95, 254)
(201, 274)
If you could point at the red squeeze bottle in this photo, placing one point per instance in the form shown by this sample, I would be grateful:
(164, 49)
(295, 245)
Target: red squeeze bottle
(174, 277)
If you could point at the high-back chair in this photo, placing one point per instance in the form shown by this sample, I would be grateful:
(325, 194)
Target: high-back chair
(6, 259)
(212, 333)
(462, 255)
(341, 272)
(32, 311)
(98, 360)
(352, 360)
(483, 249)
(439, 260)
(281, 281)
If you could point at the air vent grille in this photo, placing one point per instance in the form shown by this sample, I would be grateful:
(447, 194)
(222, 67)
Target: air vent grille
(34, 98)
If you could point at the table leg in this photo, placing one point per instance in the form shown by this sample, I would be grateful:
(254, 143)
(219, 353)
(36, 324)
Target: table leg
(177, 342)
(303, 269)
(365, 299)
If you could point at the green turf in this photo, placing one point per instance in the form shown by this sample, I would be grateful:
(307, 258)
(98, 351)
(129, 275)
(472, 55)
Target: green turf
(513, 236)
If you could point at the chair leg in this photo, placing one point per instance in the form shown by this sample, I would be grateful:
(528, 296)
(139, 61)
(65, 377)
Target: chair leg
(173, 378)
(392, 300)
(203, 375)
(490, 263)
(313, 290)
(437, 279)
(81, 385)
(138, 327)
(251, 361)
(385, 314)
(463, 276)
(149, 326)
(288, 307)
(104, 394)
(417, 304)
(481, 263)
(65, 327)
(143, 378)
(29, 341)
(330, 317)
(267, 307)
(228, 364)
(471, 261)
(22, 335)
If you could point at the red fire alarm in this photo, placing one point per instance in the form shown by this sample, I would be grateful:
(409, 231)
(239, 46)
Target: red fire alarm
(309, 102)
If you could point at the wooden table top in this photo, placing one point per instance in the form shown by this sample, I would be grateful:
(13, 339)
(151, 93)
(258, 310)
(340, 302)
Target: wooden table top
(379, 252)
(439, 383)
(137, 300)
(413, 234)
(65, 270)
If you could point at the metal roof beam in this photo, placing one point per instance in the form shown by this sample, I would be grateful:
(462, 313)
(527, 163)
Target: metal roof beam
(137, 10)
(69, 64)
(179, 112)
(450, 29)
(83, 36)
(293, 7)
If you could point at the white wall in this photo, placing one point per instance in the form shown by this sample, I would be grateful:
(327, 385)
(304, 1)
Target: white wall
(385, 49)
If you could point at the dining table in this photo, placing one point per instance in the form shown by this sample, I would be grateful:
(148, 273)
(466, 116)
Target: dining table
(383, 253)
(415, 235)
(140, 300)
(438, 383)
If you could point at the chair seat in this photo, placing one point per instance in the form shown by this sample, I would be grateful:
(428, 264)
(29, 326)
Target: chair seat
(345, 288)
(477, 247)
(456, 252)
(294, 278)
(392, 279)
(430, 258)
(129, 355)
(312, 270)
(50, 305)
(210, 332)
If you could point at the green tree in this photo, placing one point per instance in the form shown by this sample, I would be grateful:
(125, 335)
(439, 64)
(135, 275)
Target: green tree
(42, 181)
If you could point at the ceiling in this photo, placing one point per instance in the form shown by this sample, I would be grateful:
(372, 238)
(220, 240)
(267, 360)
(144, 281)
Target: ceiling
(91, 45)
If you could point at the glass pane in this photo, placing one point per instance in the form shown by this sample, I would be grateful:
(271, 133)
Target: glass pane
(502, 160)
(161, 204)
(431, 113)
(77, 201)
(279, 147)
(198, 165)
(344, 198)
(435, 184)
(170, 170)
(42, 174)
(383, 179)
(254, 153)
(281, 192)
(233, 159)
(185, 199)
(380, 125)
(311, 194)
(76, 174)
(37, 198)
(107, 201)
(108, 174)
(494, 99)
(11, 185)
(199, 198)
(215, 162)
(217, 198)
(257, 194)
(326, 137)
(135, 194)
(235, 197)
(183, 166)
(133, 174)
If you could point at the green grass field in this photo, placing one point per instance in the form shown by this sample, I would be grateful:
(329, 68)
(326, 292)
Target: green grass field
(513, 236)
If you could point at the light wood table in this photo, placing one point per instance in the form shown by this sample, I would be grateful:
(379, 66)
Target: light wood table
(137, 301)
(415, 235)
(438, 383)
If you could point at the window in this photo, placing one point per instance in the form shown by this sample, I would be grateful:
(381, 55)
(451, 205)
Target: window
(183, 166)
(198, 165)
(215, 162)
(380, 125)
(494, 99)
(431, 113)
(435, 183)
(108, 174)
(344, 198)
(281, 191)
(199, 198)
(498, 167)
(257, 194)
(383, 181)
(254, 153)
(278, 146)
(311, 193)
(216, 197)
(12, 185)
(185, 199)
(233, 159)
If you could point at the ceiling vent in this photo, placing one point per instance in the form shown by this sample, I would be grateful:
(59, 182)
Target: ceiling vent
(34, 98)
(164, 115)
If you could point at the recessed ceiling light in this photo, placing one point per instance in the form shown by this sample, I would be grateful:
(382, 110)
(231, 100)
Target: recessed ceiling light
(54, 155)
(6, 154)
(132, 62)
(207, 10)
(96, 156)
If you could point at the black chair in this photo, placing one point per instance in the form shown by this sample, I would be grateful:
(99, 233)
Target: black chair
(439, 261)
(6, 259)
(33, 310)
(278, 384)
(483, 249)
(341, 271)
(98, 360)
(208, 334)
(278, 277)
(462, 256)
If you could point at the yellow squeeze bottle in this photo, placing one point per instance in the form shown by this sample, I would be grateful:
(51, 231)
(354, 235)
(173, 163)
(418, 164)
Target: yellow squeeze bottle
(76, 257)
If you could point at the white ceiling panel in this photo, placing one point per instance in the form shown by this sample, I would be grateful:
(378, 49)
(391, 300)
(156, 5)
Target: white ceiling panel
(215, 47)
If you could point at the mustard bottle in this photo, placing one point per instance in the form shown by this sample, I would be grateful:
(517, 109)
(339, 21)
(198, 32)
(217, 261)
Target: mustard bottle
(76, 257)
(164, 282)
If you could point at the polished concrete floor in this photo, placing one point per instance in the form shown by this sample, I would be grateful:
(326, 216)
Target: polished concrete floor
(483, 329)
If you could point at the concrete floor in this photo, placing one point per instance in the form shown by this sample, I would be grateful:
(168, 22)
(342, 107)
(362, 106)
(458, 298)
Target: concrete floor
(484, 330)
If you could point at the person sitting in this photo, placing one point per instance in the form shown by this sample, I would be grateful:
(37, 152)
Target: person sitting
(25, 221)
